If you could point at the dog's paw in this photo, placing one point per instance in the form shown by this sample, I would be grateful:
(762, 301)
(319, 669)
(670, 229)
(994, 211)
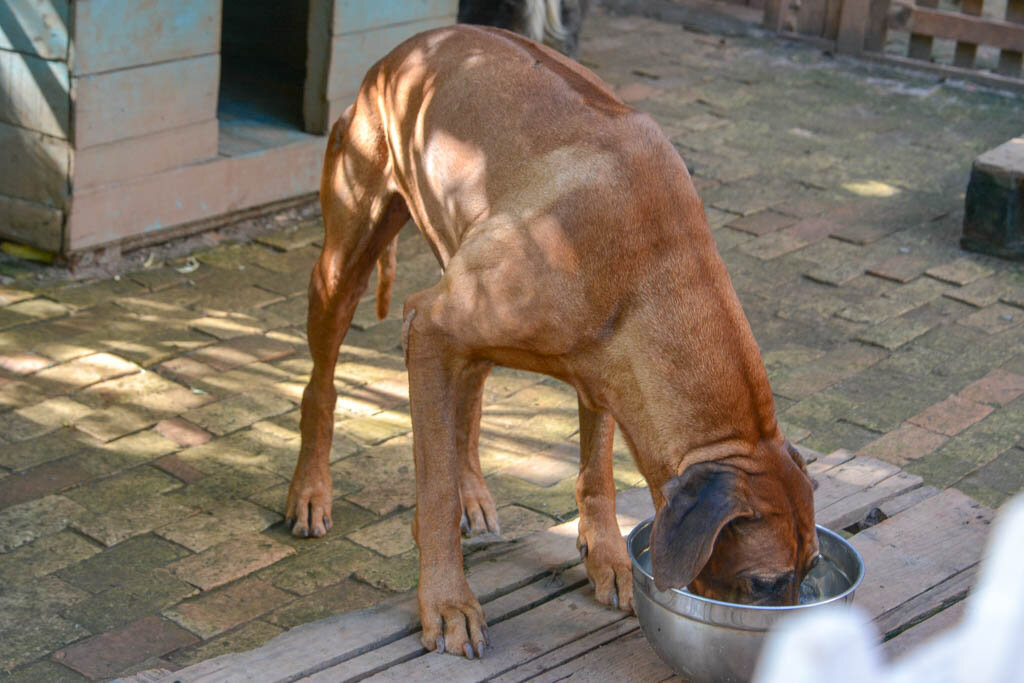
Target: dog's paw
(479, 514)
(455, 624)
(308, 510)
(609, 570)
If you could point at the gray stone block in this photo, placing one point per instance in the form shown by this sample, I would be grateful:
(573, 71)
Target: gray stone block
(994, 207)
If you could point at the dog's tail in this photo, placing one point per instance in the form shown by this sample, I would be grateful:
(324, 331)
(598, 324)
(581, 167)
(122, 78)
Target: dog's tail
(544, 20)
(386, 264)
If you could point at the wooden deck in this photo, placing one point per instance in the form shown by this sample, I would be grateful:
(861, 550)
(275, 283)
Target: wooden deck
(921, 559)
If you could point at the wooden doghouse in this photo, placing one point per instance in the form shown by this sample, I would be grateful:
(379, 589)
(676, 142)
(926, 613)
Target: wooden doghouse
(127, 121)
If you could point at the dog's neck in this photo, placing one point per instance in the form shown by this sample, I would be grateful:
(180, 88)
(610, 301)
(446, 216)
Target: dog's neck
(663, 399)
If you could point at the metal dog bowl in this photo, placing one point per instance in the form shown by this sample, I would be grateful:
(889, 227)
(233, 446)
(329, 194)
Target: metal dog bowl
(708, 640)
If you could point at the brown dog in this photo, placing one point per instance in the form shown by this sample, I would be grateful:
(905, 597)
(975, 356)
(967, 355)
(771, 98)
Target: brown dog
(573, 244)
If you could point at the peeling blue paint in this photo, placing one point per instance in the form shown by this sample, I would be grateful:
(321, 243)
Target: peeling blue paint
(155, 225)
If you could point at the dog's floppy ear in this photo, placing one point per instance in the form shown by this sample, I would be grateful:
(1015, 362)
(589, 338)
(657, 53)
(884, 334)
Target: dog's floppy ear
(698, 504)
(800, 462)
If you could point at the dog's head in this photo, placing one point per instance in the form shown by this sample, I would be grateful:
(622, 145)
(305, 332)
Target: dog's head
(739, 530)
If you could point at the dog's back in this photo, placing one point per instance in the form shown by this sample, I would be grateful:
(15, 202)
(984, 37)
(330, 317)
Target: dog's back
(550, 127)
(502, 149)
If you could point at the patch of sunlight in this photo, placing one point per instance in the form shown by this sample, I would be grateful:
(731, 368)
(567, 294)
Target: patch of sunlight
(290, 390)
(275, 430)
(871, 188)
(237, 458)
(286, 337)
(123, 346)
(569, 529)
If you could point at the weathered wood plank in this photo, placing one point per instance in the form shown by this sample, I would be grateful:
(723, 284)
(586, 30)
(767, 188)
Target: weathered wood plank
(498, 610)
(358, 643)
(629, 658)
(115, 34)
(231, 145)
(353, 54)
(194, 192)
(30, 223)
(856, 506)
(831, 28)
(810, 18)
(920, 46)
(351, 16)
(773, 15)
(309, 648)
(36, 27)
(904, 501)
(35, 166)
(920, 548)
(936, 23)
(985, 78)
(494, 575)
(136, 157)
(496, 570)
(34, 93)
(517, 640)
(569, 652)
(148, 676)
(371, 662)
(965, 51)
(874, 38)
(1010, 60)
(133, 102)
(259, 136)
(318, 60)
(853, 21)
(850, 478)
(824, 463)
(924, 605)
(911, 638)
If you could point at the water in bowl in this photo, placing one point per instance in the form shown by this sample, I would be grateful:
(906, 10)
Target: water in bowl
(826, 580)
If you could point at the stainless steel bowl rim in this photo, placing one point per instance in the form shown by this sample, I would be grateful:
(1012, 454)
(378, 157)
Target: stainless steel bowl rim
(730, 614)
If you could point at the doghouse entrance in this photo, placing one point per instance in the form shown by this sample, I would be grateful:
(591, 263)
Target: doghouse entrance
(263, 71)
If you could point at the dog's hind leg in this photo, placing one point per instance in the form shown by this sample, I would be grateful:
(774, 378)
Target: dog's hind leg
(478, 512)
(599, 541)
(362, 215)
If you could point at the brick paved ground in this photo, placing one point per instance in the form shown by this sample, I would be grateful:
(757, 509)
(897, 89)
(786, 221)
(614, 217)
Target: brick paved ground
(149, 422)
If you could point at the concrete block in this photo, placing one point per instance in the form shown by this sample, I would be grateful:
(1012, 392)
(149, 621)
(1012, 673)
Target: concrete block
(993, 219)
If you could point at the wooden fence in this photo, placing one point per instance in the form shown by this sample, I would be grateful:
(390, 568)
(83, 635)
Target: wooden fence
(860, 27)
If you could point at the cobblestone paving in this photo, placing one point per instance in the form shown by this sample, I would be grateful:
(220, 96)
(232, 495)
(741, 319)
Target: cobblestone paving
(149, 422)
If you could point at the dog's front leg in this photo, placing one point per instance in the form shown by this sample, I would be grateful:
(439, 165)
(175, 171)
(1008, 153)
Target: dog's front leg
(452, 618)
(600, 543)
